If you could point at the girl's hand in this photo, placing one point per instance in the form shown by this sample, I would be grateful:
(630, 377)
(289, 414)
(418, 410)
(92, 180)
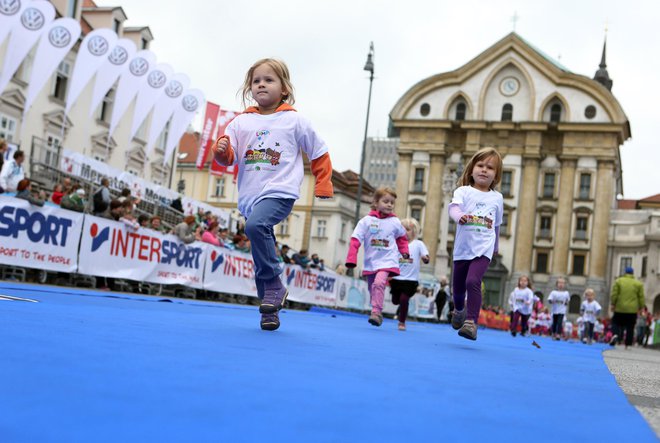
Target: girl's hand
(221, 145)
(463, 220)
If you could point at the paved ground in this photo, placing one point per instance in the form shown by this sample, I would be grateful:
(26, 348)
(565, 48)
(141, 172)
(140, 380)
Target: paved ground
(637, 371)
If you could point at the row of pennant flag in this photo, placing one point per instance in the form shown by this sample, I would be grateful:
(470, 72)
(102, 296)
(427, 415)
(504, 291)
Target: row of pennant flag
(215, 123)
(106, 57)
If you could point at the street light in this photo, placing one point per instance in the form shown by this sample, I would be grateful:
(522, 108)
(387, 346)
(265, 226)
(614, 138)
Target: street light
(179, 157)
(368, 66)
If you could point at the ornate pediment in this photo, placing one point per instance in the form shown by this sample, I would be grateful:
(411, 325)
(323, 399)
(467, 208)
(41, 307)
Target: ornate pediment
(57, 119)
(14, 98)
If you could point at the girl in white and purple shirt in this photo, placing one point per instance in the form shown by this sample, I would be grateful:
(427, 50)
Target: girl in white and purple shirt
(558, 299)
(384, 239)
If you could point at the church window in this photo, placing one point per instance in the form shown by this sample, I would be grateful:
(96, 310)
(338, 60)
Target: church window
(590, 112)
(585, 186)
(418, 186)
(506, 183)
(425, 109)
(578, 264)
(460, 111)
(549, 185)
(507, 112)
(542, 262)
(555, 113)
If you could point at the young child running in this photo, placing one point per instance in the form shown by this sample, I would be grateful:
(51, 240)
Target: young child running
(384, 238)
(404, 286)
(265, 142)
(477, 209)
(558, 299)
(589, 310)
(523, 298)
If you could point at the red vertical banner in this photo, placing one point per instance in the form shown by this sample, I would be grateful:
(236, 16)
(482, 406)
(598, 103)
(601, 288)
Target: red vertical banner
(225, 118)
(206, 140)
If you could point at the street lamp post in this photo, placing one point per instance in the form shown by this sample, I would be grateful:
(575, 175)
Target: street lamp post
(368, 66)
(176, 158)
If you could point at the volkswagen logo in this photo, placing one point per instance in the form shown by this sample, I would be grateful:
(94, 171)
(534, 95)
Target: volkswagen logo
(32, 19)
(59, 36)
(189, 103)
(139, 67)
(174, 89)
(9, 7)
(97, 46)
(156, 79)
(118, 55)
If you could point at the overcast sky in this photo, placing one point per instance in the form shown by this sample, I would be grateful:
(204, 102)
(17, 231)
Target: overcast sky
(325, 44)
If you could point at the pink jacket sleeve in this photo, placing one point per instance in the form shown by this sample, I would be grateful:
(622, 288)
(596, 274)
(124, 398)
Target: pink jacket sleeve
(455, 212)
(351, 258)
(402, 244)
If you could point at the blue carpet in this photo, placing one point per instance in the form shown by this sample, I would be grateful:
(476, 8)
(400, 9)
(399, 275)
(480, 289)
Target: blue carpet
(80, 366)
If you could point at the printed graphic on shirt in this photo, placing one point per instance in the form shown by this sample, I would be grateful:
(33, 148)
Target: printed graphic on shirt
(262, 156)
(482, 218)
(405, 261)
(379, 243)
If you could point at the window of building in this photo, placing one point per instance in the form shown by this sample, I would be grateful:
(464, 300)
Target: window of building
(549, 185)
(585, 186)
(219, 187)
(504, 227)
(542, 262)
(342, 230)
(144, 43)
(507, 112)
(52, 150)
(71, 8)
(555, 113)
(574, 304)
(578, 264)
(416, 213)
(283, 228)
(116, 24)
(506, 183)
(7, 128)
(460, 111)
(545, 226)
(321, 226)
(644, 264)
(425, 109)
(626, 262)
(418, 186)
(581, 227)
(61, 80)
(106, 106)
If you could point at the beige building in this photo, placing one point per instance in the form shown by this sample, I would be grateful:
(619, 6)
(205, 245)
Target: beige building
(634, 240)
(559, 134)
(321, 226)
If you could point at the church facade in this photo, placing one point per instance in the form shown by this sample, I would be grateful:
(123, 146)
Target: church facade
(559, 135)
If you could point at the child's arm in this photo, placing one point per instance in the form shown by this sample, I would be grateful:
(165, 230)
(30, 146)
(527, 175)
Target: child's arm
(456, 214)
(322, 170)
(223, 152)
(402, 245)
(351, 258)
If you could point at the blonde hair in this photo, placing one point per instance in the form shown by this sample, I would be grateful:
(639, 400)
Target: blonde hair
(589, 291)
(560, 279)
(482, 154)
(282, 72)
(411, 224)
(380, 193)
(529, 281)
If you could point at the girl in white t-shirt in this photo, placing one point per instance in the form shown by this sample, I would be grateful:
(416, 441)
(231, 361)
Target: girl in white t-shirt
(523, 297)
(266, 143)
(477, 209)
(404, 285)
(590, 309)
(384, 239)
(558, 299)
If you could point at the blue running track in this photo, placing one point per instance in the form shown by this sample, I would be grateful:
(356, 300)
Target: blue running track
(87, 366)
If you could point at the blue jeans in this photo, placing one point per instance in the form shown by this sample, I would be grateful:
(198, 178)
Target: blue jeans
(259, 229)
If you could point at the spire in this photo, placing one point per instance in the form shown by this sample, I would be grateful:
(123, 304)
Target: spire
(602, 76)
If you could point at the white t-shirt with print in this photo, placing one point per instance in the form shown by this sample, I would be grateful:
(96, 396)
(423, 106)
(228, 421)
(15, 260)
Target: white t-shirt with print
(410, 267)
(484, 209)
(522, 300)
(378, 236)
(267, 150)
(589, 310)
(559, 301)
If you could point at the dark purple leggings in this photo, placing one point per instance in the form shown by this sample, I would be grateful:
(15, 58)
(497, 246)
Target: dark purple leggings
(467, 277)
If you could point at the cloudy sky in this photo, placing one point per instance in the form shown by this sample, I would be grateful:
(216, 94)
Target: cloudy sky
(325, 45)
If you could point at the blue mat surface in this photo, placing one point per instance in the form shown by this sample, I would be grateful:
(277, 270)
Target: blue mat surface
(93, 366)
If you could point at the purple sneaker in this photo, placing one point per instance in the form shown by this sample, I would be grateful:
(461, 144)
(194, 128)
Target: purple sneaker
(274, 297)
(270, 322)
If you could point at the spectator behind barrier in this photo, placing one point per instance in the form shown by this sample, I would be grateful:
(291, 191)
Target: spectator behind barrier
(184, 230)
(12, 172)
(75, 200)
(24, 189)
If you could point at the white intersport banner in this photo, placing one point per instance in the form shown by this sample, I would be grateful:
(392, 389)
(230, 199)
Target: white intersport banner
(149, 94)
(38, 237)
(353, 294)
(55, 44)
(33, 22)
(129, 84)
(93, 52)
(114, 65)
(112, 249)
(191, 103)
(165, 108)
(10, 12)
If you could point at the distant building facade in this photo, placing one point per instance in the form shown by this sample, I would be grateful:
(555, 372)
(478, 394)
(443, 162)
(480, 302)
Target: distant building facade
(381, 161)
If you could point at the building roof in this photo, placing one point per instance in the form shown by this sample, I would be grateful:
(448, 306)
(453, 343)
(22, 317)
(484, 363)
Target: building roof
(646, 203)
